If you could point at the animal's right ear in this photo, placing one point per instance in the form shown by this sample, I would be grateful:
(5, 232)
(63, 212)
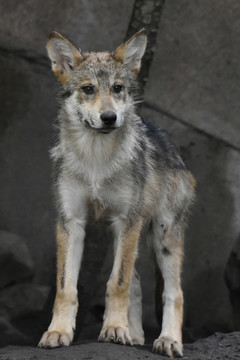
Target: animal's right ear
(64, 56)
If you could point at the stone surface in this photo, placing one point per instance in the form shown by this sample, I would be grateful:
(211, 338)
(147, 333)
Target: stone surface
(22, 300)
(195, 73)
(91, 25)
(195, 76)
(15, 260)
(213, 225)
(28, 111)
(219, 346)
(10, 335)
(232, 276)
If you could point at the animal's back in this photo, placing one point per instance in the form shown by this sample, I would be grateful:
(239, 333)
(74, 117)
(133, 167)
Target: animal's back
(164, 148)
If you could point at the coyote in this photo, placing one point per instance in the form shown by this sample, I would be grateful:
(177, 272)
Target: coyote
(113, 165)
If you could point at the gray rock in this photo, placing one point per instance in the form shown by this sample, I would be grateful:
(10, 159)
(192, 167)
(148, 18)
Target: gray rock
(232, 275)
(91, 25)
(15, 260)
(194, 77)
(28, 113)
(21, 300)
(195, 71)
(219, 346)
(10, 335)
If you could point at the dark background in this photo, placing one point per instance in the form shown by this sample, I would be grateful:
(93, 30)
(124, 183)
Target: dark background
(192, 89)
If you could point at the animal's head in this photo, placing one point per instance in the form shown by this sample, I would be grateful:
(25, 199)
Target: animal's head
(97, 86)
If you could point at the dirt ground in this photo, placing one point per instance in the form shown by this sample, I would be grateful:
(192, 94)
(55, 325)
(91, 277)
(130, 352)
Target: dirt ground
(217, 346)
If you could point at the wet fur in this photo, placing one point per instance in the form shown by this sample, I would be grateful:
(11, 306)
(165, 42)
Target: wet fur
(132, 177)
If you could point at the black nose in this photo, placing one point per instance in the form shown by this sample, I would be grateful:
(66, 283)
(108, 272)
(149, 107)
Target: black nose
(108, 117)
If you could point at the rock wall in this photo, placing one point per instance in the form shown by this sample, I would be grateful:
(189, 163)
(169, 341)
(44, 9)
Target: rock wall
(192, 91)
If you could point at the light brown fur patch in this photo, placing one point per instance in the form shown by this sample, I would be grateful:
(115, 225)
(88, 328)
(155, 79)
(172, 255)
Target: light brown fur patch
(62, 76)
(192, 180)
(120, 53)
(125, 262)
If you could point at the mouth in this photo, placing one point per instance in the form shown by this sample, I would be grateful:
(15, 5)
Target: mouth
(105, 130)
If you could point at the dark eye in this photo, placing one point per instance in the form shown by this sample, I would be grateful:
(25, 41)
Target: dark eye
(88, 89)
(117, 88)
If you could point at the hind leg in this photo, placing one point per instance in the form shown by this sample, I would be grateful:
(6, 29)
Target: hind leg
(168, 246)
(135, 311)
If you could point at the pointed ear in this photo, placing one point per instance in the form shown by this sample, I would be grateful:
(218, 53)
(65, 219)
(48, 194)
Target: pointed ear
(64, 56)
(131, 52)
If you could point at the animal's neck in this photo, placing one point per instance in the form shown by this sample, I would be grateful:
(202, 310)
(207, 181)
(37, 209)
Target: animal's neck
(98, 156)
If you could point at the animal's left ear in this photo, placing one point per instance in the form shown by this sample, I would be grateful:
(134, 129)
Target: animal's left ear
(131, 52)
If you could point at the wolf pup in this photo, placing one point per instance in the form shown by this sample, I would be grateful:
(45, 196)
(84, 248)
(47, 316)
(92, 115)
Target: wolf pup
(122, 169)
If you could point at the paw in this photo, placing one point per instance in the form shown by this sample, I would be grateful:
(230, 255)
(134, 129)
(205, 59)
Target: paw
(53, 339)
(167, 346)
(137, 337)
(117, 335)
(138, 340)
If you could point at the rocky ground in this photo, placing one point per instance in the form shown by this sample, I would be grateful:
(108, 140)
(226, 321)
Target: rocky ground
(217, 346)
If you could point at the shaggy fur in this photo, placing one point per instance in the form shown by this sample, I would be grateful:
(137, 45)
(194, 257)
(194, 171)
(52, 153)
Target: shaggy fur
(112, 164)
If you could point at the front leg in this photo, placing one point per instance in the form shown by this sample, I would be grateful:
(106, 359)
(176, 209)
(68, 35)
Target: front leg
(69, 254)
(115, 326)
